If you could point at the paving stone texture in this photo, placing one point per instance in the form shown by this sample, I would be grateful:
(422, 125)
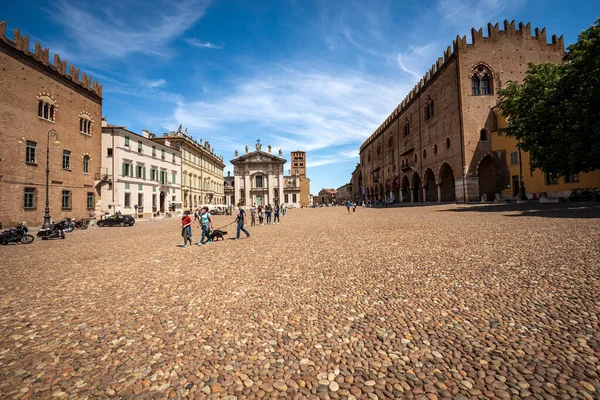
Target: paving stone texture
(448, 301)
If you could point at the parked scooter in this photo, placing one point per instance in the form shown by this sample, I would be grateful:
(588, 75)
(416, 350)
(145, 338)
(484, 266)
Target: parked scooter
(56, 231)
(81, 223)
(18, 234)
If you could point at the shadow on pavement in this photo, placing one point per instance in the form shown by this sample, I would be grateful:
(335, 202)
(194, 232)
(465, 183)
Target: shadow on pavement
(548, 210)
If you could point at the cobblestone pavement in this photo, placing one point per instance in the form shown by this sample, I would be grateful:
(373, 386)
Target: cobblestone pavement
(426, 302)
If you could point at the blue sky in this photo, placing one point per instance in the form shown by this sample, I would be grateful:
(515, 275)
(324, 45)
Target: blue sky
(314, 75)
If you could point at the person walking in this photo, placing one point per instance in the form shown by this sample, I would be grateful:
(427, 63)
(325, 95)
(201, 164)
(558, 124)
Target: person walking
(284, 209)
(276, 215)
(197, 215)
(354, 208)
(186, 228)
(207, 226)
(260, 215)
(241, 219)
(348, 206)
(253, 216)
(268, 211)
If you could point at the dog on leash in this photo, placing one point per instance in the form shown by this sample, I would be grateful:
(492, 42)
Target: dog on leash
(216, 234)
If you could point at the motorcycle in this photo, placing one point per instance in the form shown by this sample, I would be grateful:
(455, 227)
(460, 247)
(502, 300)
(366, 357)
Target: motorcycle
(16, 235)
(68, 225)
(81, 223)
(56, 231)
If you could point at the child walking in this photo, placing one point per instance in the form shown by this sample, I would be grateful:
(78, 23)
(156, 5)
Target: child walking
(186, 228)
(276, 215)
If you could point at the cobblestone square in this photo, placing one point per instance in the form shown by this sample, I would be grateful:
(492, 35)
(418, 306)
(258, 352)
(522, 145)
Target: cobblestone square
(444, 301)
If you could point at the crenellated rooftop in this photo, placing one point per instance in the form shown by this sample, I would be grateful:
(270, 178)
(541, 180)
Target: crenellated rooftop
(460, 43)
(41, 55)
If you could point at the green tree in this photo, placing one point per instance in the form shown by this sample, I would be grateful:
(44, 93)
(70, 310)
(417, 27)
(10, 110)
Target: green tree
(555, 112)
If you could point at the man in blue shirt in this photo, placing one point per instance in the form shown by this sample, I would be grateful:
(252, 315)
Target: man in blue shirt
(241, 219)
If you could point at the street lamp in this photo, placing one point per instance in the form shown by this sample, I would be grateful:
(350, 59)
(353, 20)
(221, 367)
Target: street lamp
(54, 133)
(522, 194)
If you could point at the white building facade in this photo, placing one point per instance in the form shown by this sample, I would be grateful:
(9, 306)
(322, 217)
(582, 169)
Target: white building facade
(144, 176)
(291, 191)
(258, 177)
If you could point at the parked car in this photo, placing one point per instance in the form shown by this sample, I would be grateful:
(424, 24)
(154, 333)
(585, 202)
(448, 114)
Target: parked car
(117, 220)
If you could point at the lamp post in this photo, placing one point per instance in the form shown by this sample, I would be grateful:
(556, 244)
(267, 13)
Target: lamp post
(54, 133)
(522, 194)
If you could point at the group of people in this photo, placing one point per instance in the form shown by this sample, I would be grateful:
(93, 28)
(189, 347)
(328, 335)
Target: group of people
(204, 219)
(349, 204)
(266, 212)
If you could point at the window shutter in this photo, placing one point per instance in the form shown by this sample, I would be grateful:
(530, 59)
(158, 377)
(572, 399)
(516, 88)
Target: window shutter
(144, 172)
(123, 172)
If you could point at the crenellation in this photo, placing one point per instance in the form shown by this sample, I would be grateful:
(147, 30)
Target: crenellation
(60, 66)
(41, 54)
(21, 42)
(86, 80)
(509, 26)
(447, 53)
(74, 73)
(558, 41)
(540, 34)
(493, 29)
(525, 29)
(476, 35)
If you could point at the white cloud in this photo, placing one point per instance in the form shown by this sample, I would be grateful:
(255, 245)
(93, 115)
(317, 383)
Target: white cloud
(474, 13)
(103, 29)
(203, 45)
(297, 108)
(156, 83)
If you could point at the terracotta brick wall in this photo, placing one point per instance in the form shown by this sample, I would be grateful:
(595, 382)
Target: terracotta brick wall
(22, 80)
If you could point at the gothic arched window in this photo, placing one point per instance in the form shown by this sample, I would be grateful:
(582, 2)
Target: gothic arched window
(481, 82)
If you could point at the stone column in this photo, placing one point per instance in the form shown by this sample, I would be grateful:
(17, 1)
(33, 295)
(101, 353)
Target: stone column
(424, 195)
(247, 188)
(280, 185)
(439, 189)
(412, 195)
(237, 185)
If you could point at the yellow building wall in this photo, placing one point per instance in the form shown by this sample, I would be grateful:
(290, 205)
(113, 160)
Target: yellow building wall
(535, 181)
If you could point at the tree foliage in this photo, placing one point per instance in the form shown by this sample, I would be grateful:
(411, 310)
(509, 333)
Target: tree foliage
(555, 112)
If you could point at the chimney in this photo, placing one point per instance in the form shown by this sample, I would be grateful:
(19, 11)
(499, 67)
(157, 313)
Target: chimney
(145, 133)
(104, 122)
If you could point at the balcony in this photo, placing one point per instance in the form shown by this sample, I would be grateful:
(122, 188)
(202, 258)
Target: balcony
(102, 177)
(407, 166)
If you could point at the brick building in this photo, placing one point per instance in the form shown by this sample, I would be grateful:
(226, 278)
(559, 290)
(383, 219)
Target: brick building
(298, 168)
(435, 146)
(38, 99)
(344, 193)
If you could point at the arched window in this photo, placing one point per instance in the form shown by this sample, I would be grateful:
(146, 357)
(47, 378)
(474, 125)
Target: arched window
(46, 107)
(435, 149)
(481, 82)
(429, 108)
(85, 123)
(485, 84)
(406, 127)
(424, 153)
(416, 157)
(475, 85)
(447, 143)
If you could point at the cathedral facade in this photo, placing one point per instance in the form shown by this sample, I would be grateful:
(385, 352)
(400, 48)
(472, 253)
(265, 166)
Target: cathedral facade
(258, 177)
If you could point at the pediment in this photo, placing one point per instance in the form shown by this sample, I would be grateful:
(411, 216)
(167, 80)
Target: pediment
(258, 157)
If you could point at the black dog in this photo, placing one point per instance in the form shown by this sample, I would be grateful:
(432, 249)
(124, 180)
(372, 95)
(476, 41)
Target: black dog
(217, 234)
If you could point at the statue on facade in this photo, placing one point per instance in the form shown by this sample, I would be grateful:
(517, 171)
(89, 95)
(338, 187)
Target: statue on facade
(179, 129)
(280, 153)
(258, 145)
(185, 131)
(246, 148)
(269, 147)
(236, 153)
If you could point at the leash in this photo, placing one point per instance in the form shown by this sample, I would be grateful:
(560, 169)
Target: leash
(224, 226)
